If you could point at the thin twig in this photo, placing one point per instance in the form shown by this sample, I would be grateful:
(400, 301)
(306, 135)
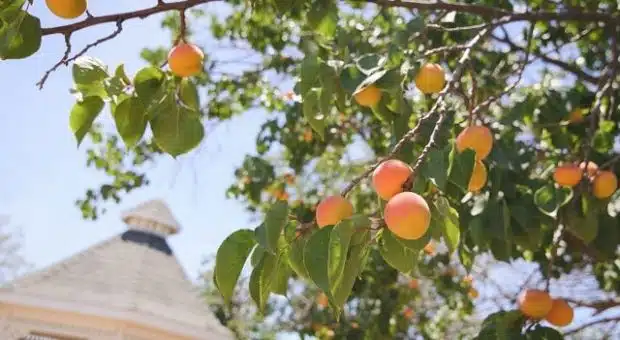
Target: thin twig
(65, 60)
(592, 323)
(578, 72)
(62, 61)
(490, 100)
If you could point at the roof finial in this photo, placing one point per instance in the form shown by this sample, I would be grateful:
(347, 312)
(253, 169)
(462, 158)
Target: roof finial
(152, 216)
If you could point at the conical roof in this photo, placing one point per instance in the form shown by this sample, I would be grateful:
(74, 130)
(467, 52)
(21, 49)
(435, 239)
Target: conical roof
(133, 276)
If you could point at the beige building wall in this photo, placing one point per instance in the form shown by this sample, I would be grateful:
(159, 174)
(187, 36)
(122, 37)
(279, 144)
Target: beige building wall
(18, 321)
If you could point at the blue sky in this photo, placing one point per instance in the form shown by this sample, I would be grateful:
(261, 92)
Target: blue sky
(42, 172)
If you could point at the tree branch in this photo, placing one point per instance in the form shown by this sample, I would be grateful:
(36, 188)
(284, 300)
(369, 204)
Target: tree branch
(65, 59)
(579, 73)
(143, 13)
(496, 13)
(592, 323)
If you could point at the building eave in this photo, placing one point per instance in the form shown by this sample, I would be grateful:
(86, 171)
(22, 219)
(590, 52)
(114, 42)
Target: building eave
(151, 321)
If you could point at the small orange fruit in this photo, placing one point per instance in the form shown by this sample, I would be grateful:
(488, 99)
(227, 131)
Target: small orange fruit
(561, 313)
(66, 9)
(592, 168)
(430, 79)
(534, 303)
(185, 60)
(332, 210)
(414, 284)
(429, 248)
(604, 184)
(322, 300)
(473, 293)
(389, 177)
(369, 96)
(407, 215)
(568, 175)
(478, 177)
(478, 138)
(408, 313)
(467, 280)
(576, 116)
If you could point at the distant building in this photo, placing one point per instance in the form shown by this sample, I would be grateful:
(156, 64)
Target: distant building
(128, 287)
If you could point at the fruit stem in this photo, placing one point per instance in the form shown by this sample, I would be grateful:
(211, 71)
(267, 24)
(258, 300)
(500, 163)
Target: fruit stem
(182, 27)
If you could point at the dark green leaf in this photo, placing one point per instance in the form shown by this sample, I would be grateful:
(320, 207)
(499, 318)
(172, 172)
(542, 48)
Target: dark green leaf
(549, 199)
(282, 274)
(461, 167)
(189, 94)
(230, 258)
(176, 129)
(275, 220)
(21, 37)
(312, 112)
(309, 74)
(316, 258)
(262, 278)
(148, 82)
(340, 240)
(130, 118)
(353, 267)
(83, 115)
(396, 254)
(296, 257)
(449, 218)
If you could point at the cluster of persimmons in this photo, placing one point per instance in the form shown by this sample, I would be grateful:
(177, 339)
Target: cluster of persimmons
(538, 304)
(604, 183)
(184, 59)
(406, 213)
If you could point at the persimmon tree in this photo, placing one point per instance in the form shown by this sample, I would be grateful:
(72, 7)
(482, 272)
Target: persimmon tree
(491, 126)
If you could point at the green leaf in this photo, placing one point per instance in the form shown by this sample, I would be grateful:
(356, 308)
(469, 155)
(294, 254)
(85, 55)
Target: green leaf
(323, 17)
(83, 115)
(262, 278)
(449, 223)
(176, 130)
(316, 259)
(370, 80)
(296, 257)
(229, 260)
(340, 240)
(353, 268)
(370, 63)
(466, 257)
(549, 199)
(130, 118)
(461, 167)
(395, 253)
(148, 82)
(585, 223)
(309, 73)
(312, 113)
(282, 274)
(502, 326)
(189, 94)
(88, 70)
(436, 167)
(21, 37)
(257, 254)
(275, 220)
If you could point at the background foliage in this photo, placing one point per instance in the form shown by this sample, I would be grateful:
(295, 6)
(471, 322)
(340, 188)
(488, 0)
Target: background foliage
(520, 68)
